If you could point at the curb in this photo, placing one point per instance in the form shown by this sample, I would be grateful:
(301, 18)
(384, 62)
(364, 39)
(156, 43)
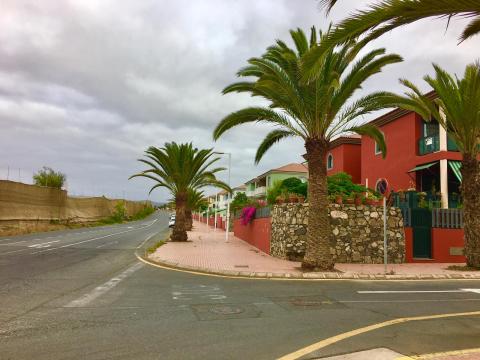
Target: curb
(169, 265)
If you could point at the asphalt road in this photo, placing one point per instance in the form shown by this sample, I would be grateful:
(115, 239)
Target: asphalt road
(83, 294)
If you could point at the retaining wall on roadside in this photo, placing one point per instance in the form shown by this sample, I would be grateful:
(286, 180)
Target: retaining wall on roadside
(23, 202)
(356, 233)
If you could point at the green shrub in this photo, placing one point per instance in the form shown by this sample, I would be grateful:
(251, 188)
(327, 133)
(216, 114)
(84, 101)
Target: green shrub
(273, 192)
(342, 184)
(142, 214)
(47, 177)
(239, 201)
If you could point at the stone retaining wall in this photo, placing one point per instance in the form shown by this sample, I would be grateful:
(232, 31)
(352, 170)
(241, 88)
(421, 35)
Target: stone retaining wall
(356, 233)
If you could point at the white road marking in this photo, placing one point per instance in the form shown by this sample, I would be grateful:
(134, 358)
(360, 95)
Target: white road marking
(110, 243)
(43, 245)
(98, 238)
(477, 291)
(104, 288)
(148, 238)
(197, 292)
(409, 291)
(17, 242)
(419, 291)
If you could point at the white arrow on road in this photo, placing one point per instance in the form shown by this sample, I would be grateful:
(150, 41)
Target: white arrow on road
(418, 291)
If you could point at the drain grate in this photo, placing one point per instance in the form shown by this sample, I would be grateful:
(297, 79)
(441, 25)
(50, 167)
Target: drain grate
(241, 266)
(225, 311)
(312, 302)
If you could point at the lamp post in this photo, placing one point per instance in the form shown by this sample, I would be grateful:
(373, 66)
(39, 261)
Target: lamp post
(216, 206)
(229, 195)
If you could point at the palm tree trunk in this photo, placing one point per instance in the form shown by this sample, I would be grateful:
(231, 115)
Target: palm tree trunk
(179, 231)
(188, 219)
(471, 206)
(317, 253)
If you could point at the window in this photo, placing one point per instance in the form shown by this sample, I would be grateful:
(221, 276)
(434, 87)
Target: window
(381, 186)
(329, 162)
(378, 151)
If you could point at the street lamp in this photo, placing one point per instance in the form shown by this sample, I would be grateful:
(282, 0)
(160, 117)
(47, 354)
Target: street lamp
(229, 198)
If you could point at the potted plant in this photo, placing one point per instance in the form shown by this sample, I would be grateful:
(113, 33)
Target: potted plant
(358, 199)
(339, 199)
(349, 199)
(292, 198)
(280, 199)
(370, 200)
(301, 199)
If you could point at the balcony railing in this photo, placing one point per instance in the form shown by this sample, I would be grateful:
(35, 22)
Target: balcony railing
(451, 145)
(428, 144)
(261, 190)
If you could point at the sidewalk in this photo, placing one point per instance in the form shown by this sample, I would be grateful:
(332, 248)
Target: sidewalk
(208, 252)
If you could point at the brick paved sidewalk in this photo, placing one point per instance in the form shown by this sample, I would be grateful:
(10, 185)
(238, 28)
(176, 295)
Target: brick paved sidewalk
(207, 251)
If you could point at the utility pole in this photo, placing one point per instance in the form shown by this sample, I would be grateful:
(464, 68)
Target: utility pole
(228, 194)
(385, 244)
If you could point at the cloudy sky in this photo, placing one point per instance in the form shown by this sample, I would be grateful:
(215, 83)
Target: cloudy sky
(87, 85)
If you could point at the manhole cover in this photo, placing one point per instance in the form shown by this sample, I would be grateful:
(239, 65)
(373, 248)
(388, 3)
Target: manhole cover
(226, 310)
(309, 302)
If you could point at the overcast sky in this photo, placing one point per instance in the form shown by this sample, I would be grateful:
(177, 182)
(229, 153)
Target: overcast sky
(87, 85)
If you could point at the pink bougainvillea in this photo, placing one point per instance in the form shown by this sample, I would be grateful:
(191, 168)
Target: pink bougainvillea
(248, 214)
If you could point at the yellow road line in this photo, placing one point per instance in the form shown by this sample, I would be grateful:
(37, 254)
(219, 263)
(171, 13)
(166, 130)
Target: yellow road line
(440, 354)
(334, 339)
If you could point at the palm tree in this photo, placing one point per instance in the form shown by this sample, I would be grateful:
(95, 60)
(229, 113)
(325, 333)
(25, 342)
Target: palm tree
(178, 168)
(459, 101)
(386, 15)
(195, 200)
(316, 112)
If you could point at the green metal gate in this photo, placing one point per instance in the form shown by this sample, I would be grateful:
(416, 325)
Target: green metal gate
(422, 233)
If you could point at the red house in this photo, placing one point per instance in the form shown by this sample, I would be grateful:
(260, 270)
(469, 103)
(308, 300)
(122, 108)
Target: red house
(345, 155)
(420, 155)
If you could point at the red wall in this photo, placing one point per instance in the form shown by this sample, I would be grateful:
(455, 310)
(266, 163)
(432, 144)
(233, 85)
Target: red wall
(347, 158)
(402, 137)
(442, 241)
(256, 233)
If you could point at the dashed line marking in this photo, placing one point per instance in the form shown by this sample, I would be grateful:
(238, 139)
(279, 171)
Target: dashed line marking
(104, 288)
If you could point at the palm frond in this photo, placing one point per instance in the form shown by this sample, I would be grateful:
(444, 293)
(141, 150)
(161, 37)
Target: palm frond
(271, 138)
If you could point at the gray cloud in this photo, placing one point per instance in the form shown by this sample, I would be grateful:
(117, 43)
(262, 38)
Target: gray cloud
(86, 86)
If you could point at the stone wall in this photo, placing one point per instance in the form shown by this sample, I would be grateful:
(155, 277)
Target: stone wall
(356, 233)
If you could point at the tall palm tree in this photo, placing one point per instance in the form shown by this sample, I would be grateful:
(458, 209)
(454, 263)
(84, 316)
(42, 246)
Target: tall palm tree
(316, 112)
(386, 15)
(195, 200)
(459, 100)
(178, 168)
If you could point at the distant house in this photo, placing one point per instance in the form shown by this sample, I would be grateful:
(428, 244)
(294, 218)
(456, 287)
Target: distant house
(259, 186)
(220, 199)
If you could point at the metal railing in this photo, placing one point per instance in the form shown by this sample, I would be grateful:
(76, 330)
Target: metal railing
(428, 144)
(407, 217)
(447, 218)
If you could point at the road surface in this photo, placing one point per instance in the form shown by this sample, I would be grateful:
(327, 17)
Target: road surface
(83, 294)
